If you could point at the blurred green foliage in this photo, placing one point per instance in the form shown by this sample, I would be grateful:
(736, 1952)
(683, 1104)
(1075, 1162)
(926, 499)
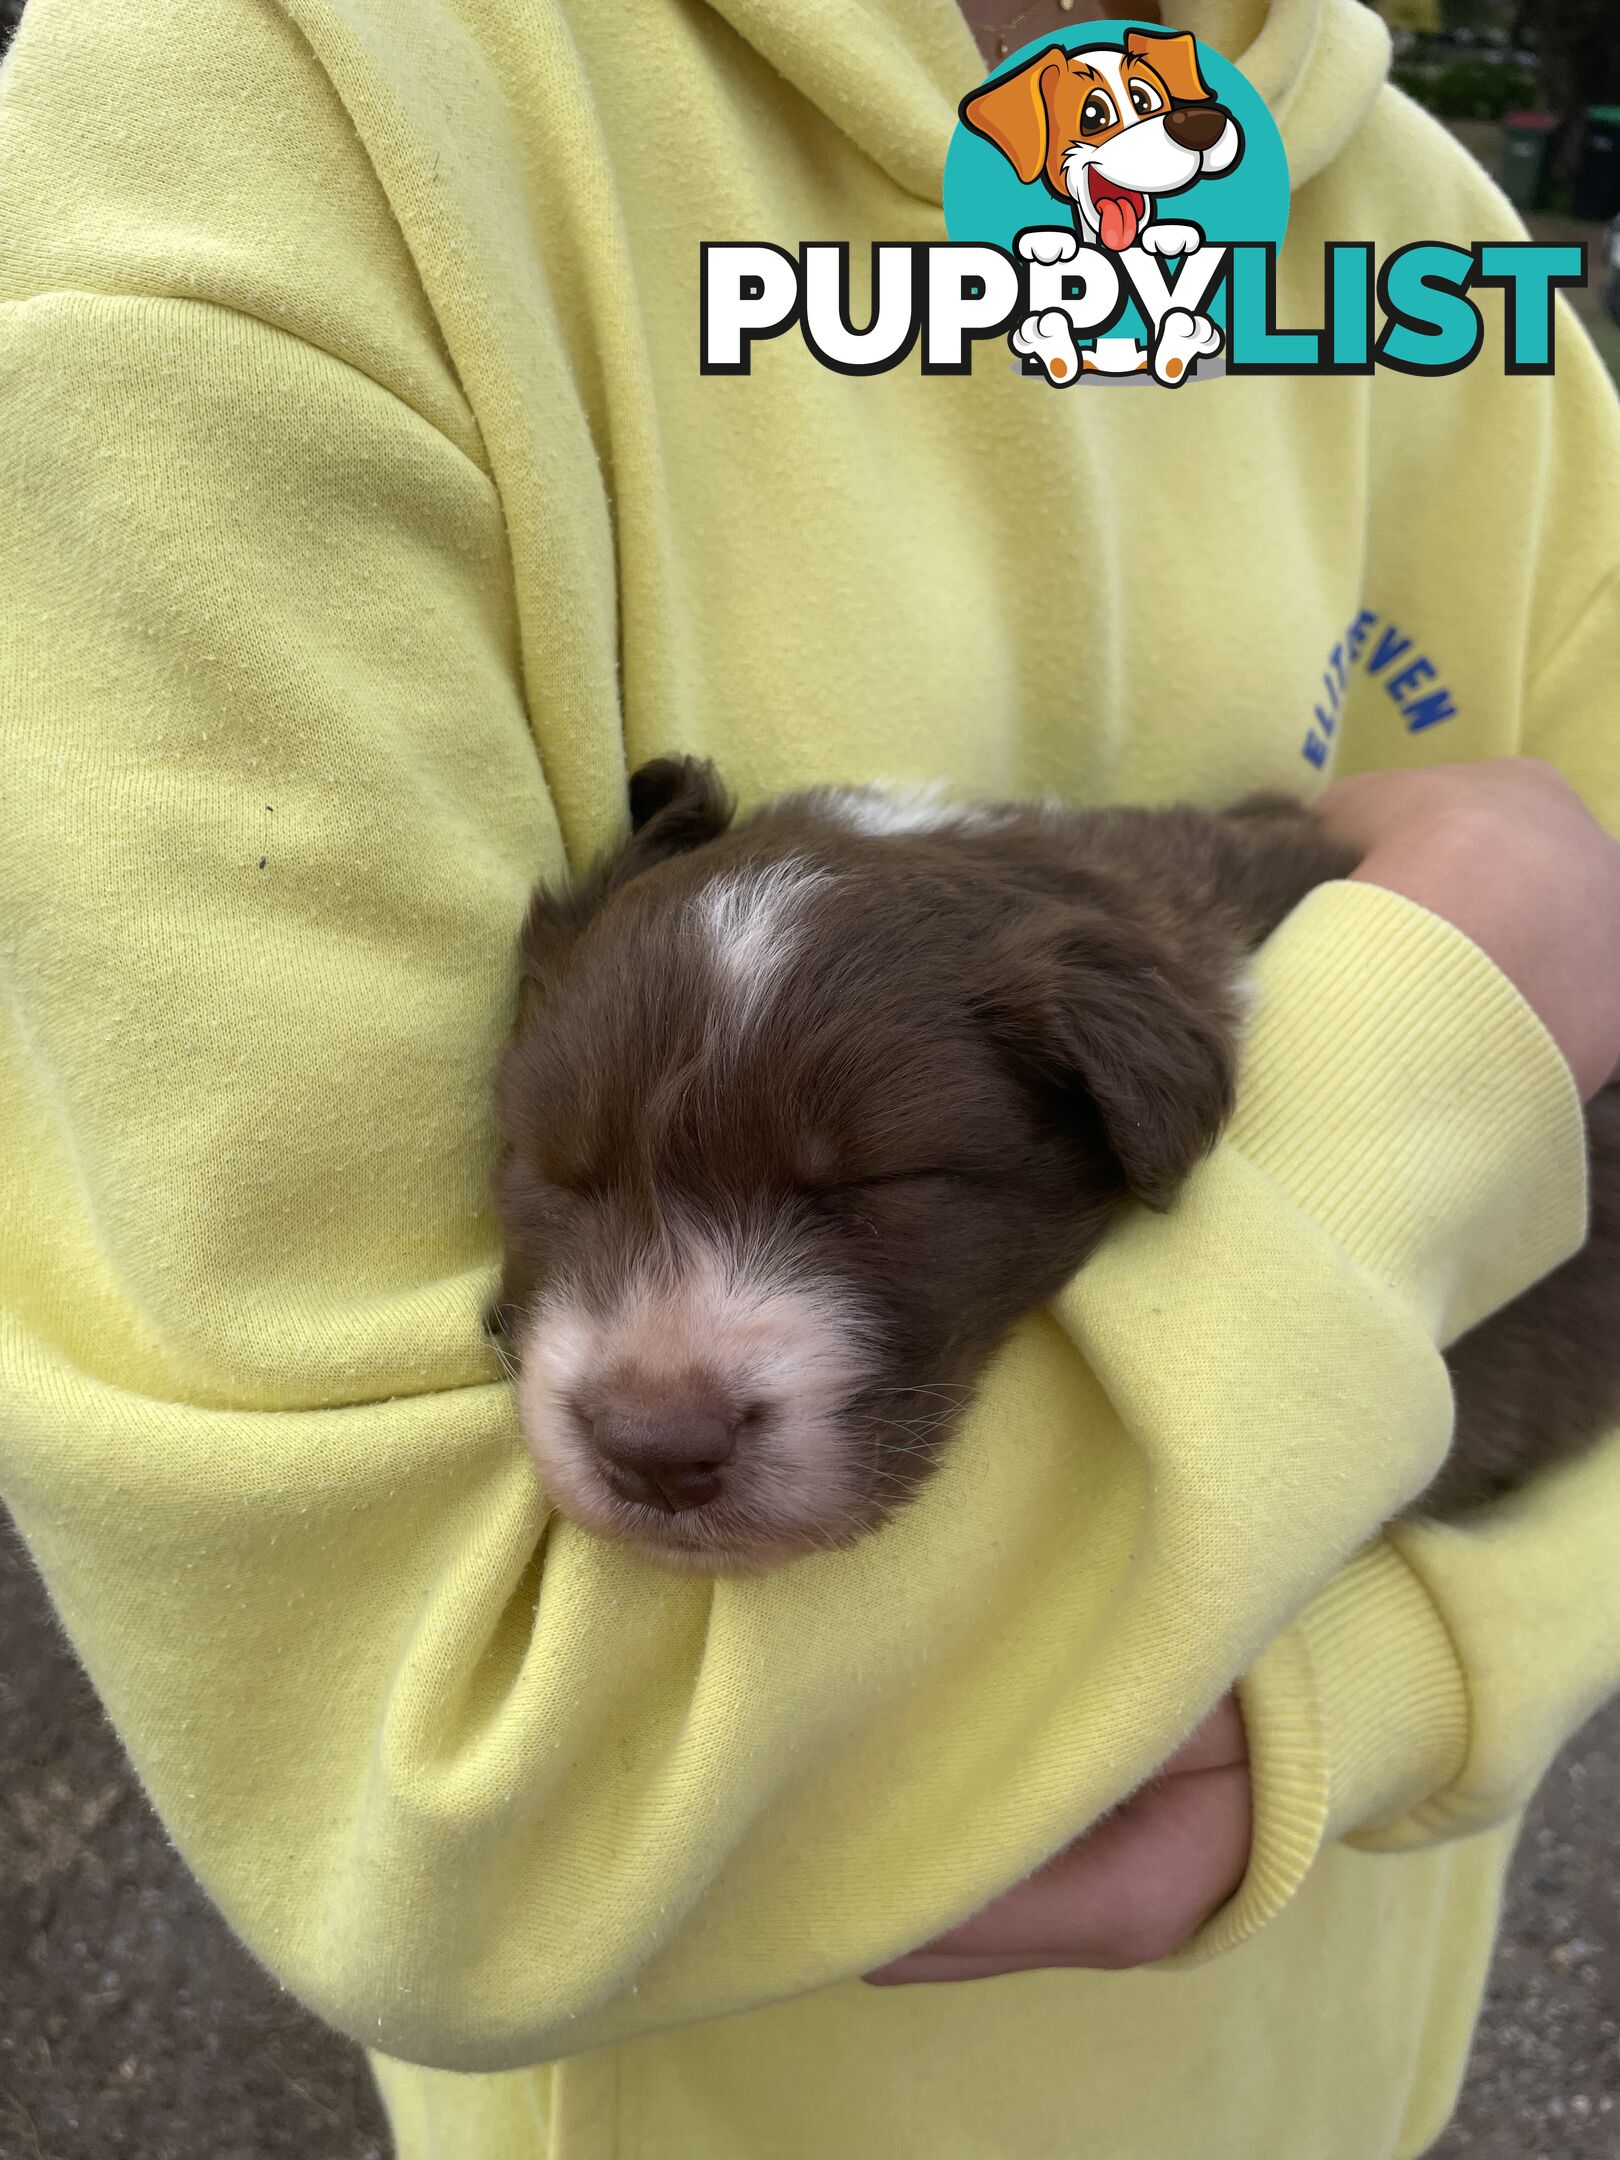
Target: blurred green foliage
(1466, 89)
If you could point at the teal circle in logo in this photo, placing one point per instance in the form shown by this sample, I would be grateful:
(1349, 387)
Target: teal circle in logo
(1125, 124)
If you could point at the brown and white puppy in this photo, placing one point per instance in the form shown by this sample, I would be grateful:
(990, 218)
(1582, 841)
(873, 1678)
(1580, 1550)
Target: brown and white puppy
(804, 1112)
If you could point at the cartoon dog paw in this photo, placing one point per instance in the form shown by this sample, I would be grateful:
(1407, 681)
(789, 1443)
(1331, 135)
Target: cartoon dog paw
(1049, 338)
(1166, 237)
(1183, 339)
(1049, 244)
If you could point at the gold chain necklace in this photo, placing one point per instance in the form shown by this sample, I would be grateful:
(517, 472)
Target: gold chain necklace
(1000, 31)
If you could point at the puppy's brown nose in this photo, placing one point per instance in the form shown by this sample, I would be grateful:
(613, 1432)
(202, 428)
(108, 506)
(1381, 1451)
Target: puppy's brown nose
(1195, 127)
(670, 1459)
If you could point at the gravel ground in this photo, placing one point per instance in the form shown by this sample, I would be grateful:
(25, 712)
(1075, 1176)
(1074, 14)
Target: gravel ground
(136, 2028)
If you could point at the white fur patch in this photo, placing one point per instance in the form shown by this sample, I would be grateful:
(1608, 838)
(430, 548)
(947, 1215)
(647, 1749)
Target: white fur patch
(752, 919)
(885, 809)
(709, 1314)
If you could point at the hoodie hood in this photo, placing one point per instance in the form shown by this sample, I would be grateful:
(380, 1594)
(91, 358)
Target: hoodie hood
(891, 73)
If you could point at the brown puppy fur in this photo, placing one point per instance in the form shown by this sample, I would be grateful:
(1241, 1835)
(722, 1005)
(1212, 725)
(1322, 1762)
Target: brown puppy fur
(804, 1112)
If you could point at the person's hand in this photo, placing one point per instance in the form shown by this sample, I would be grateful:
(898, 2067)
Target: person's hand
(1509, 853)
(1137, 1886)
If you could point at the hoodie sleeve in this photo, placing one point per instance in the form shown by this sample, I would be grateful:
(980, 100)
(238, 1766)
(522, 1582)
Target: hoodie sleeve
(1423, 1694)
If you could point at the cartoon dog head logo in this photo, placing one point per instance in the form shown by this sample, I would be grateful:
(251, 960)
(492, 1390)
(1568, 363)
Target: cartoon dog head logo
(1118, 164)
(1111, 132)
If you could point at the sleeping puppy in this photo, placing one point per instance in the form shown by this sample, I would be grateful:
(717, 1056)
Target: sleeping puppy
(804, 1112)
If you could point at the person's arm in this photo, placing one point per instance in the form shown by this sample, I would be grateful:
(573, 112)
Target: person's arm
(1507, 853)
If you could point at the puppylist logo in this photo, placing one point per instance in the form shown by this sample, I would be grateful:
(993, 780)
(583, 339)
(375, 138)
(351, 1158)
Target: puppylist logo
(1115, 199)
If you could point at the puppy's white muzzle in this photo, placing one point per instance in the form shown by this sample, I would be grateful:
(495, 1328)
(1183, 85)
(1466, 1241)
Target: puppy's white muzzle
(725, 1328)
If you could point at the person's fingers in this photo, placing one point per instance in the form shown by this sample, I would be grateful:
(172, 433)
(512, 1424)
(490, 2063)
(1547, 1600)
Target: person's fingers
(920, 1968)
(1172, 1852)
(1219, 1741)
(1131, 1891)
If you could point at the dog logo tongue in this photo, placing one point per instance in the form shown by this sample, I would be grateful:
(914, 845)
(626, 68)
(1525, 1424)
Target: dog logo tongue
(1119, 212)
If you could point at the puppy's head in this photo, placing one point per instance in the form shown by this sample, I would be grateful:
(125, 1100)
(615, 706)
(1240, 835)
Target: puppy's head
(1107, 130)
(800, 1117)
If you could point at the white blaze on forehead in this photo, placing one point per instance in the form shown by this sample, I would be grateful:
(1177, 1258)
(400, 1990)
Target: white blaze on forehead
(752, 919)
(711, 1316)
(885, 809)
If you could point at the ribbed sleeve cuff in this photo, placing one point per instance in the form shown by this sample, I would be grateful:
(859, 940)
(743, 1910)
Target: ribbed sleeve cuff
(1356, 1713)
(1406, 1096)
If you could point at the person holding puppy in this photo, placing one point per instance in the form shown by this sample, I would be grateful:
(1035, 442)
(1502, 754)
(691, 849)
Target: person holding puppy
(366, 520)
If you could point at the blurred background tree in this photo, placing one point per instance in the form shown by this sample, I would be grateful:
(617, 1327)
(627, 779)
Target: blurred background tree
(1577, 45)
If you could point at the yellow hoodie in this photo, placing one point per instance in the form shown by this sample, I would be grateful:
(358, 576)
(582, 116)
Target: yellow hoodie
(363, 516)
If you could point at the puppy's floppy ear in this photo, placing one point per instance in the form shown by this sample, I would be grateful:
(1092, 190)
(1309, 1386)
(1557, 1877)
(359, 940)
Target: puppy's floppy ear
(1013, 113)
(1174, 57)
(676, 803)
(1110, 1019)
